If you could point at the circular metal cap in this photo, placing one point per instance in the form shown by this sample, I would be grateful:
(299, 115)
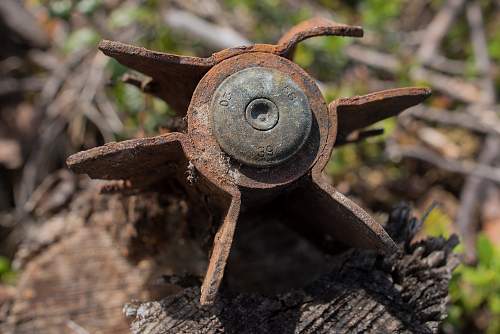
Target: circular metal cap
(260, 116)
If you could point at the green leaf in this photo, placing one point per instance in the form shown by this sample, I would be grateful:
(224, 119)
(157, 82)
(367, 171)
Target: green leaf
(494, 303)
(129, 98)
(376, 13)
(494, 47)
(127, 15)
(485, 250)
(4, 265)
(479, 276)
(304, 56)
(60, 9)
(80, 39)
(88, 7)
(438, 223)
(117, 70)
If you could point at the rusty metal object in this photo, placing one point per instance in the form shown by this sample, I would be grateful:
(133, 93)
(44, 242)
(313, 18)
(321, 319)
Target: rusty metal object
(259, 134)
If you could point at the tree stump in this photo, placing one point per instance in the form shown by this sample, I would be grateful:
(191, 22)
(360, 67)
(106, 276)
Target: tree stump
(82, 265)
(363, 293)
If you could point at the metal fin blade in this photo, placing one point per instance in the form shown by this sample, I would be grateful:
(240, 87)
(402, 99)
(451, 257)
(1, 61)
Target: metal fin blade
(129, 159)
(174, 77)
(361, 111)
(328, 212)
(317, 26)
(220, 252)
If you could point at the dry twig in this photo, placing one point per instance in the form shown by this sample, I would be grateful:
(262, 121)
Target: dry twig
(475, 186)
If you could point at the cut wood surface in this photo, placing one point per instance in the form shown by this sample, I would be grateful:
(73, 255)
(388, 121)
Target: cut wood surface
(79, 267)
(364, 293)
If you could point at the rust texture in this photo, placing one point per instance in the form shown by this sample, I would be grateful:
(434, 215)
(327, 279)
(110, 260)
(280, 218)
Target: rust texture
(291, 186)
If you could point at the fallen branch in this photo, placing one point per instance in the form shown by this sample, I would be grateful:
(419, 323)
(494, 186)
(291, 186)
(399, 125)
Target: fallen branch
(466, 167)
(215, 36)
(461, 119)
(474, 190)
(450, 85)
(23, 23)
(473, 193)
(437, 29)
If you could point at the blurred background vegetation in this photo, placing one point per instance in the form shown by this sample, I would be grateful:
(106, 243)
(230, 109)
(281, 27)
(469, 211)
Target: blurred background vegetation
(59, 95)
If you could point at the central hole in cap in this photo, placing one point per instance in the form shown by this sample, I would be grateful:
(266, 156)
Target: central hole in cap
(262, 114)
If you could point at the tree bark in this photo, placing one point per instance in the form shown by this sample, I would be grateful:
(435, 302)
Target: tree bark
(363, 293)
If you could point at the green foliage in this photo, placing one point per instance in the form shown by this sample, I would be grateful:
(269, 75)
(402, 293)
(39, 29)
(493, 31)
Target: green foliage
(456, 45)
(88, 7)
(376, 13)
(161, 38)
(124, 16)
(494, 46)
(156, 118)
(437, 223)
(272, 17)
(322, 57)
(343, 159)
(140, 111)
(476, 289)
(116, 69)
(367, 152)
(81, 39)
(304, 56)
(4, 265)
(7, 275)
(60, 9)
(130, 99)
